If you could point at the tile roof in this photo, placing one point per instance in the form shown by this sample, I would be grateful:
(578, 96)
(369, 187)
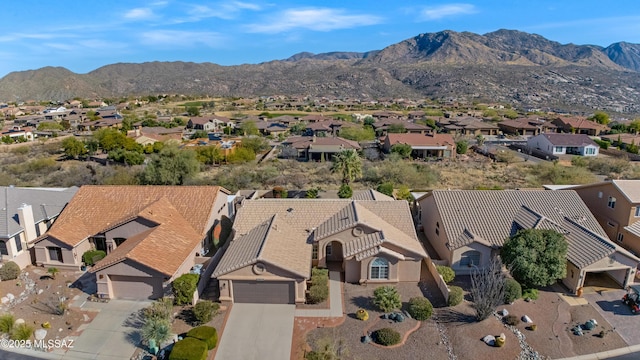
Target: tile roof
(303, 142)
(421, 140)
(580, 123)
(370, 194)
(164, 247)
(299, 221)
(493, 216)
(95, 208)
(569, 139)
(46, 203)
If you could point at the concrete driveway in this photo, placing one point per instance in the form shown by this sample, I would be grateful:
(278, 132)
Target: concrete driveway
(113, 334)
(257, 332)
(610, 306)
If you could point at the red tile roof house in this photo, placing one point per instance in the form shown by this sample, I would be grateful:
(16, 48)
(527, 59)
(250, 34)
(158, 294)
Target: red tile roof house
(424, 146)
(275, 242)
(468, 227)
(526, 126)
(579, 125)
(564, 144)
(152, 234)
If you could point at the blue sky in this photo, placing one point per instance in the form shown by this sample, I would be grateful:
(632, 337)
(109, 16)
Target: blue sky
(84, 35)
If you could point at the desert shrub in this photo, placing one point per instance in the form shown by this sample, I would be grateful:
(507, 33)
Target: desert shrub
(512, 291)
(9, 271)
(318, 293)
(189, 348)
(345, 191)
(387, 337)
(92, 256)
(511, 320)
(362, 314)
(22, 332)
(602, 143)
(205, 310)
(531, 294)
(447, 273)
(420, 308)
(280, 192)
(207, 334)
(159, 309)
(184, 287)
(319, 276)
(462, 146)
(456, 295)
(386, 298)
(386, 188)
(6, 323)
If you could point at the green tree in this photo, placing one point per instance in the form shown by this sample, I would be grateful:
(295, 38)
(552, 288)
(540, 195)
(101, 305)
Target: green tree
(156, 331)
(404, 193)
(348, 164)
(462, 146)
(386, 188)
(193, 111)
(600, 117)
(536, 257)
(404, 150)
(634, 126)
(200, 134)
(386, 298)
(255, 143)
(248, 128)
(356, 133)
(209, 155)
(171, 166)
(73, 147)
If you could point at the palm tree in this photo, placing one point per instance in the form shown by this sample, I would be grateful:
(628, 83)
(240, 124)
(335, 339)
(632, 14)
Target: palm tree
(348, 163)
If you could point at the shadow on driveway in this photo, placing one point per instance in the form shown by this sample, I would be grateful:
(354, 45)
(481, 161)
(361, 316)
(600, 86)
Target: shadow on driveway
(617, 307)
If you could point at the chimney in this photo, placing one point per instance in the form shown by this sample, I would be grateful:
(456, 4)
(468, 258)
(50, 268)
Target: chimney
(25, 217)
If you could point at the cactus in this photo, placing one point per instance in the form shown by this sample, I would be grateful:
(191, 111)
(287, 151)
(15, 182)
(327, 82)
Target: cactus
(362, 314)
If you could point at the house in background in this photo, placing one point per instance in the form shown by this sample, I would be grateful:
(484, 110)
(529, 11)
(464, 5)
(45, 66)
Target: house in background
(424, 146)
(26, 214)
(275, 242)
(526, 126)
(579, 125)
(312, 148)
(616, 206)
(151, 234)
(468, 227)
(564, 144)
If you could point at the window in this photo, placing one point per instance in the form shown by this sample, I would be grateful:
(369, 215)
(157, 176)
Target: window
(438, 232)
(3, 248)
(379, 269)
(470, 258)
(55, 253)
(612, 202)
(637, 211)
(620, 237)
(119, 241)
(18, 243)
(557, 149)
(589, 151)
(38, 230)
(328, 250)
(314, 252)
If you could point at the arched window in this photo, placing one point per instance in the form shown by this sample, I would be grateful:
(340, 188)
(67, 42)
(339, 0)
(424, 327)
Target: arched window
(379, 269)
(470, 258)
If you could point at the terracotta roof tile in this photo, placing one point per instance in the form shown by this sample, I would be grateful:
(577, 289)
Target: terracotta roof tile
(421, 140)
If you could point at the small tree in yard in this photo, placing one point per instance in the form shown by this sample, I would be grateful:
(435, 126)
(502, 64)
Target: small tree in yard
(53, 272)
(386, 298)
(420, 308)
(462, 146)
(487, 288)
(536, 257)
(156, 330)
(184, 287)
(205, 310)
(345, 191)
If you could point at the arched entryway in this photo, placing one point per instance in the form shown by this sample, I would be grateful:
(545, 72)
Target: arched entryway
(334, 255)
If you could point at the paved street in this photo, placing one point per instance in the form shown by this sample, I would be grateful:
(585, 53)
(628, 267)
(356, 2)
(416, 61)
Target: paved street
(257, 332)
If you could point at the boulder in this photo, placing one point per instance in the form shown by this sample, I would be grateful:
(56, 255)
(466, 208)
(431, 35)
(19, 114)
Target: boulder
(489, 340)
(19, 321)
(40, 291)
(526, 319)
(503, 312)
(10, 296)
(40, 334)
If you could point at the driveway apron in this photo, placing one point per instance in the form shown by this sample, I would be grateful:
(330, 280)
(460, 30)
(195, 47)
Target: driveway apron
(257, 332)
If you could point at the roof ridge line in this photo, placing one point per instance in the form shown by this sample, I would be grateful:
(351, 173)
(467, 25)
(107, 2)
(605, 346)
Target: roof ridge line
(266, 236)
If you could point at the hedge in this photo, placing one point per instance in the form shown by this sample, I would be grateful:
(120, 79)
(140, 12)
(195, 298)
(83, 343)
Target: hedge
(189, 348)
(446, 272)
(207, 334)
(456, 295)
(92, 256)
(184, 287)
(420, 308)
(387, 336)
(9, 271)
(512, 291)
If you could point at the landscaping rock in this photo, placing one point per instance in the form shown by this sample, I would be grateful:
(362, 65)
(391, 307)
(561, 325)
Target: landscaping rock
(489, 340)
(85, 317)
(10, 296)
(4, 300)
(526, 319)
(365, 339)
(40, 334)
(503, 312)
(40, 291)
(399, 317)
(19, 321)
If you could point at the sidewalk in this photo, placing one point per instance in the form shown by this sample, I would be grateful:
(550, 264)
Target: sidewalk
(336, 308)
(606, 354)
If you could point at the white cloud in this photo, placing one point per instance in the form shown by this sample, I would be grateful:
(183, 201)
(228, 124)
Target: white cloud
(60, 46)
(316, 19)
(226, 10)
(442, 11)
(175, 38)
(139, 14)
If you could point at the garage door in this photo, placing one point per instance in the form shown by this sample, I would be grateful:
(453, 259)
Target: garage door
(136, 287)
(263, 292)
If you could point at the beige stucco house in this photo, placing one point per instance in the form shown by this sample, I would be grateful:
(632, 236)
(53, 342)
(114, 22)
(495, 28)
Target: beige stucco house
(26, 214)
(468, 227)
(616, 206)
(275, 243)
(151, 234)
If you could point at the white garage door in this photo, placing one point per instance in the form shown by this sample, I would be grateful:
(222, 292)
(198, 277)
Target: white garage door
(136, 287)
(264, 292)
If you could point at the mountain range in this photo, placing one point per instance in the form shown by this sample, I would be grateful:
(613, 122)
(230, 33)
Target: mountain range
(510, 66)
